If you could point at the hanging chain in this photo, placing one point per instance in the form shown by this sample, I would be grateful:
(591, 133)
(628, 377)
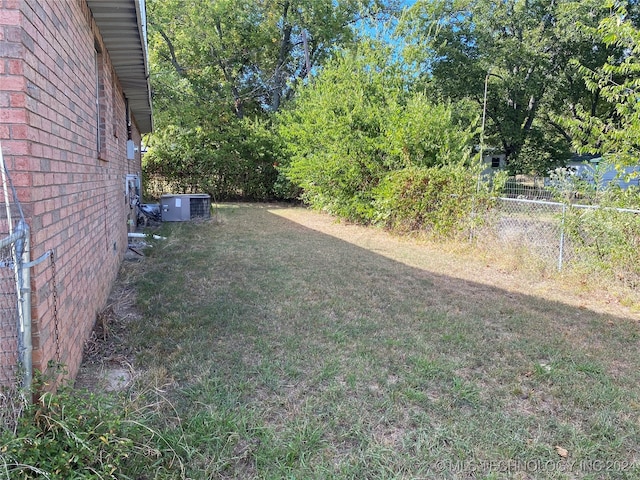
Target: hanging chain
(56, 323)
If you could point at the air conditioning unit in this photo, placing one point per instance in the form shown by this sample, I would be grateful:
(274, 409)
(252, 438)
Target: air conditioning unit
(181, 208)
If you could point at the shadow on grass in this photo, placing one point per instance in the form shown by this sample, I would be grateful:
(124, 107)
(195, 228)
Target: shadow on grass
(295, 353)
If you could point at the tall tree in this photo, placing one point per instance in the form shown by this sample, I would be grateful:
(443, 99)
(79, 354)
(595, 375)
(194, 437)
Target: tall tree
(522, 50)
(617, 82)
(221, 68)
(250, 52)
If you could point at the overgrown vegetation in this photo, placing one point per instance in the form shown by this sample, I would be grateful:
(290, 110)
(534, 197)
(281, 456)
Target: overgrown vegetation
(356, 139)
(607, 238)
(436, 199)
(221, 155)
(604, 223)
(220, 70)
(82, 435)
(548, 78)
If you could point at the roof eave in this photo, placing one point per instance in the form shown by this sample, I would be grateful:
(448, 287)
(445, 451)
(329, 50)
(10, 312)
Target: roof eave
(122, 24)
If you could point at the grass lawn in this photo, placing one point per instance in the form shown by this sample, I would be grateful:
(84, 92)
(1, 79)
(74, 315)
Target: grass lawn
(289, 346)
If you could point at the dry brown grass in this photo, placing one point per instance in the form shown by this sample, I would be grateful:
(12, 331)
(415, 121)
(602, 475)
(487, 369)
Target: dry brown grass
(297, 346)
(510, 270)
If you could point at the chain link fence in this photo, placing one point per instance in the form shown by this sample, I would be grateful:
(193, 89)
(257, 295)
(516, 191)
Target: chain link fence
(12, 371)
(533, 227)
(563, 235)
(9, 317)
(14, 287)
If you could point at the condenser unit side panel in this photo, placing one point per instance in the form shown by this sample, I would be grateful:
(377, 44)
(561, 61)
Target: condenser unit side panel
(174, 208)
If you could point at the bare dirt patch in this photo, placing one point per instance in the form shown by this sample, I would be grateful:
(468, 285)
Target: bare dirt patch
(107, 360)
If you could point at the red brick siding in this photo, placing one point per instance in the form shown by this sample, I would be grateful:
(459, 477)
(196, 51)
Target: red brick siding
(73, 194)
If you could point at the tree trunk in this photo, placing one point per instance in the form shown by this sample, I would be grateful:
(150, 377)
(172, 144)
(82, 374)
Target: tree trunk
(172, 52)
(226, 71)
(285, 48)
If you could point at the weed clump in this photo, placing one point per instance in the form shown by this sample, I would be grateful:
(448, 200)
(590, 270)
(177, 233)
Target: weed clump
(82, 435)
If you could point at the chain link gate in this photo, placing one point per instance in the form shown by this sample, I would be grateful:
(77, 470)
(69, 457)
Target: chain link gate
(532, 226)
(15, 334)
(15, 304)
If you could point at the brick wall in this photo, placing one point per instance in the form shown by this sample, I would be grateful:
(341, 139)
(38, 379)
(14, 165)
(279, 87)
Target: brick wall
(71, 183)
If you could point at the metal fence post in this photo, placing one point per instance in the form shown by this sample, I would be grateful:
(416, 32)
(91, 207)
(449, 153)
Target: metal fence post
(474, 199)
(560, 254)
(23, 258)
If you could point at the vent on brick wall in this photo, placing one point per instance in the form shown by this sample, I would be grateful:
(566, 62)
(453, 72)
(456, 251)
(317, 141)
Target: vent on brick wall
(181, 208)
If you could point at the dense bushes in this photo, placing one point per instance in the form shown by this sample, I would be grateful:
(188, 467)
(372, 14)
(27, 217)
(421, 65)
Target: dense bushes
(435, 199)
(226, 157)
(362, 146)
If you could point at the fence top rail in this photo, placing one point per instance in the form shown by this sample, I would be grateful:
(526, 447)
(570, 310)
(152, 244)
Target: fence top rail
(15, 236)
(526, 200)
(595, 207)
(570, 205)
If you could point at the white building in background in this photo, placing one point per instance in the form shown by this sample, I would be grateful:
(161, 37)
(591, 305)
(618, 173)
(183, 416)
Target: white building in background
(596, 171)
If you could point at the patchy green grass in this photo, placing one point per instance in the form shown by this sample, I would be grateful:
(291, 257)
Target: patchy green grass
(288, 352)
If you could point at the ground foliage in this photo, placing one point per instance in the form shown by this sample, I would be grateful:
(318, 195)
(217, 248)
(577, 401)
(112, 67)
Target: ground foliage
(75, 434)
(298, 347)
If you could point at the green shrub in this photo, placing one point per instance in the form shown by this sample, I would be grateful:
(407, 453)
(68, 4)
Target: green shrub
(606, 239)
(355, 124)
(227, 158)
(434, 199)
